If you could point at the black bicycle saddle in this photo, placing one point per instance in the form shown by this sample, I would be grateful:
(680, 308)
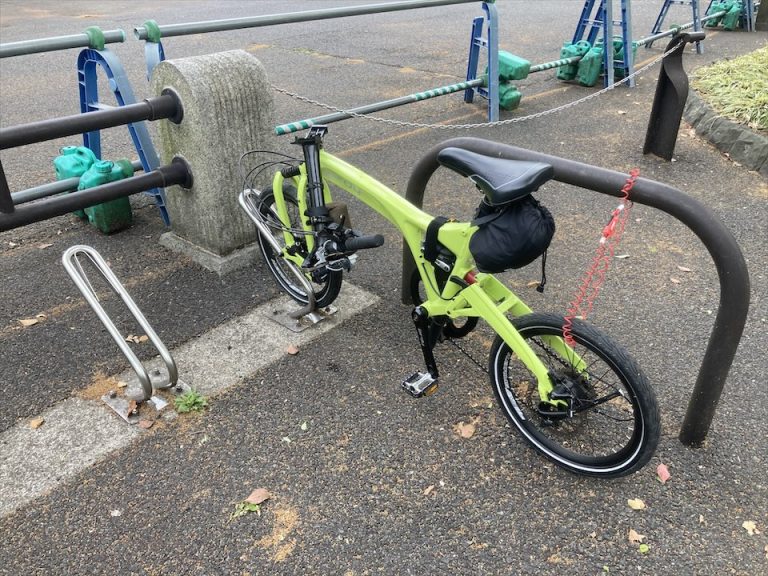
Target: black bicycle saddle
(502, 180)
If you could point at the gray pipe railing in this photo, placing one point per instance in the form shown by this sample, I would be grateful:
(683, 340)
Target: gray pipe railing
(722, 246)
(53, 188)
(175, 173)
(150, 31)
(165, 106)
(92, 38)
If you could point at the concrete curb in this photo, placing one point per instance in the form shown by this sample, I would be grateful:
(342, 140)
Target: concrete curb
(740, 143)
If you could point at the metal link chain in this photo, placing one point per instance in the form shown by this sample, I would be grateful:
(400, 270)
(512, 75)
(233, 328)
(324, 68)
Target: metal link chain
(481, 125)
(454, 342)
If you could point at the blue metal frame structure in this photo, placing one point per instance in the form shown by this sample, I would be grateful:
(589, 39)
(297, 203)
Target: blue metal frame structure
(596, 16)
(489, 42)
(87, 63)
(694, 4)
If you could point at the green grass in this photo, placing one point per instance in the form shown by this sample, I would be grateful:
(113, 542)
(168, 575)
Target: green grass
(190, 402)
(737, 88)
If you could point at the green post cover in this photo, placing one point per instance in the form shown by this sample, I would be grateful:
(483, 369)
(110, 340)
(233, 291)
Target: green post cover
(512, 67)
(113, 215)
(73, 162)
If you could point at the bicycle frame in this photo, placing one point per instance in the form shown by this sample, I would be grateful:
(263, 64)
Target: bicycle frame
(464, 295)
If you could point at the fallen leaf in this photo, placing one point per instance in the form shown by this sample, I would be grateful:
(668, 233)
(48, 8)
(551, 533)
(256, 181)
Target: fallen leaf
(663, 473)
(684, 269)
(750, 527)
(258, 496)
(132, 407)
(634, 537)
(292, 350)
(122, 384)
(644, 548)
(146, 424)
(429, 490)
(674, 280)
(636, 504)
(136, 339)
(35, 423)
(466, 429)
(44, 246)
(532, 284)
(27, 322)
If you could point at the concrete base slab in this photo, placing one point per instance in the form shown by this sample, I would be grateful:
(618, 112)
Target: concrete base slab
(221, 265)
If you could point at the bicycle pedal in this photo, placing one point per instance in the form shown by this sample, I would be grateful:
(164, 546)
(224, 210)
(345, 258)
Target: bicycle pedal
(420, 384)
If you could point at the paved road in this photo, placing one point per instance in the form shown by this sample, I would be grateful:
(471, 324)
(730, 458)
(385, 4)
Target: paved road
(365, 480)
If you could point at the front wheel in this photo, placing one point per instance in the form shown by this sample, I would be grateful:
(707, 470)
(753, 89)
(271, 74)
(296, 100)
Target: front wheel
(611, 425)
(325, 283)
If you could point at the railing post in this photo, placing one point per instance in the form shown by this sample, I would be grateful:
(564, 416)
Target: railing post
(228, 110)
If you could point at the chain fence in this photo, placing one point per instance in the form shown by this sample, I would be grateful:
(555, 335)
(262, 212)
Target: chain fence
(514, 120)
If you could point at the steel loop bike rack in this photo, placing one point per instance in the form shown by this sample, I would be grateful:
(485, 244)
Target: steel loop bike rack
(150, 380)
(722, 246)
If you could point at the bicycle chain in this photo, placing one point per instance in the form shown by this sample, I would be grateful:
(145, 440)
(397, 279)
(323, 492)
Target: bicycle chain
(454, 342)
(473, 126)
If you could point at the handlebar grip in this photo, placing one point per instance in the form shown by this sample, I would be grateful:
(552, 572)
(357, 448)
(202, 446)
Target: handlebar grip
(363, 242)
(290, 171)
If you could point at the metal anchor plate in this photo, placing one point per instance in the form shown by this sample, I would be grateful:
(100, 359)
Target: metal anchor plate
(282, 315)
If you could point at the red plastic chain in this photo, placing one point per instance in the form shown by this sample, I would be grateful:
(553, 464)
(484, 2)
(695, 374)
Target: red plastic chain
(594, 278)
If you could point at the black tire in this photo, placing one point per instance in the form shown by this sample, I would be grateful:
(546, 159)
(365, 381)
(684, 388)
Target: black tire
(453, 328)
(610, 439)
(326, 283)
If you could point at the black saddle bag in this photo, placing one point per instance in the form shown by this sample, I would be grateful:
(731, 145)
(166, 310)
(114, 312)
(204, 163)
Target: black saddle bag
(511, 235)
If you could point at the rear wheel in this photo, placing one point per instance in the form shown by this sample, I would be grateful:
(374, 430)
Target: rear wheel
(611, 424)
(325, 283)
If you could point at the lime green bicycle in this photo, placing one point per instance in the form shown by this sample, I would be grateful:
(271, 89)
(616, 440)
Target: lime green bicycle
(585, 404)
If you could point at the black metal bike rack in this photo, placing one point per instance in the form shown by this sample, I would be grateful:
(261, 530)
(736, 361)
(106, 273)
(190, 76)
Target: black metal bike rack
(726, 254)
(177, 172)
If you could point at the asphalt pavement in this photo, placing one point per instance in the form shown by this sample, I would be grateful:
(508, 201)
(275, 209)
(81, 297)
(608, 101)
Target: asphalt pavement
(364, 479)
